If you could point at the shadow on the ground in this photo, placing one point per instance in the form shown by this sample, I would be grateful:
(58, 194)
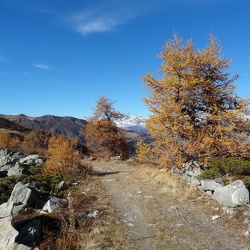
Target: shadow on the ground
(105, 173)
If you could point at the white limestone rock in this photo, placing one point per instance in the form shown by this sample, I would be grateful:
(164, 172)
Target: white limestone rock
(51, 205)
(8, 233)
(210, 185)
(232, 195)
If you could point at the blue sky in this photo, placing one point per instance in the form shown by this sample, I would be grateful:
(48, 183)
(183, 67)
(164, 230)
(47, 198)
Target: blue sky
(59, 56)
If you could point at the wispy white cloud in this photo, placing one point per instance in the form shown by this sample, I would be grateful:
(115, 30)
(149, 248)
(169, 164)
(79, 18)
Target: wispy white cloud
(95, 21)
(42, 66)
(97, 25)
(107, 16)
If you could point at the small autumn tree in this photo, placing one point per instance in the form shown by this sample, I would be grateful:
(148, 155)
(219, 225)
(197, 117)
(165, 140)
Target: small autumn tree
(36, 142)
(11, 141)
(103, 137)
(196, 114)
(64, 156)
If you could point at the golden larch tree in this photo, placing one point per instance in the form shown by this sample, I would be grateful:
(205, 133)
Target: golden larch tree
(11, 141)
(103, 137)
(63, 155)
(195, 112)
(36, 142)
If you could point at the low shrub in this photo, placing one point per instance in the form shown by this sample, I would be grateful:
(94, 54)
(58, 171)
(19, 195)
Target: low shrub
(221, 166)
(6, 186)
(210, 173)
(46, 183)
(246, 181)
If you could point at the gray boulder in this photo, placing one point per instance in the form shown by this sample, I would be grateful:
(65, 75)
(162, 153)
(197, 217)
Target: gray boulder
(189, 172)
(18, 155)
(196, 171)
(6, 163)
(210, 185)
(232, 195)
(12, 163)
(194, 181)
(23, 193)
(22, 196)
(31, 160)
(17, 170)
(6, 209)
(51, 205)
(8, 234)
(8, 157)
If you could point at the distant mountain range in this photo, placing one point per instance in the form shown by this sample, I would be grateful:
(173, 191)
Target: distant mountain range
(72, 127)
(68, 126)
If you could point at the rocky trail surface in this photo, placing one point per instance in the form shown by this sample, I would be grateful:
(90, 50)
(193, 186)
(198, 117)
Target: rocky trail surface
(156, 220)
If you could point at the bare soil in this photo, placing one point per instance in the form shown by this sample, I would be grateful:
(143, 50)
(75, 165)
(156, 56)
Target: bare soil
(156, 220)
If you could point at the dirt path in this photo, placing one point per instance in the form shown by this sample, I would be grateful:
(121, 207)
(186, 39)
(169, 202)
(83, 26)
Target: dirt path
(158, 221)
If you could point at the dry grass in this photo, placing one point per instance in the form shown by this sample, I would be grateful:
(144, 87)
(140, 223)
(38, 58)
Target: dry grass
(169, 183)
(105, 233)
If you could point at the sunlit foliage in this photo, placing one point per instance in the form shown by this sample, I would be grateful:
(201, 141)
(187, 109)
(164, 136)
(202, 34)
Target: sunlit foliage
(103, 137)
(64, 156)
(195, 112)
(36, 142)
(8, 140)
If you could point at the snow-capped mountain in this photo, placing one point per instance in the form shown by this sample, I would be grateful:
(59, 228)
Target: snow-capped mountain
(132, 123)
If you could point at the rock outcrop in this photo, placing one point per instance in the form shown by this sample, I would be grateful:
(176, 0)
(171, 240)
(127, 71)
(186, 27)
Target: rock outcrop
(23, 196)
(8, 233)
(51, 205)
(232, 195)
(210, 185)
(12, 163)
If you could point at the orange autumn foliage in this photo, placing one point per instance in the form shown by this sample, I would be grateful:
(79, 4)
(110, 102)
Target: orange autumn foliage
(11, 141)
(63, 155)
(36, 142)
(33, 142)
(103, 137)
(195, 112)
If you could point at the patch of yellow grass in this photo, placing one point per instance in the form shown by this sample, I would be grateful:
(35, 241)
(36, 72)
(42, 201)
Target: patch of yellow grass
(169, 183)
